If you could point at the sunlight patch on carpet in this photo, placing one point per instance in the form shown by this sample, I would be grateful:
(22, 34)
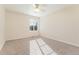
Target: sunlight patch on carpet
(39, 47)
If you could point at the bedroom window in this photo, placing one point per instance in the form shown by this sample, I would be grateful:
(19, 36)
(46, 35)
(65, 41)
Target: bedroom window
(33, 25)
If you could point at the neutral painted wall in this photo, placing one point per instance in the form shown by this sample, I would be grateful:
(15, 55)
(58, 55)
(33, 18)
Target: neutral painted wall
(2, 26)
(62, 25)
(17, 25)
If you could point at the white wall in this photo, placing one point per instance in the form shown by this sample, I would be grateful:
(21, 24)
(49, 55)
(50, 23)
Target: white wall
(62, 25)
(2, 26)
(17, 25)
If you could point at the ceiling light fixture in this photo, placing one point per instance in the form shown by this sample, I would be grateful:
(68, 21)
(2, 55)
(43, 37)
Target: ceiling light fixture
(36, 7)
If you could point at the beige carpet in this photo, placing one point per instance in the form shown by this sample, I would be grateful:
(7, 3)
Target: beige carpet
(16, 47)
(62, 48)
(22, 47)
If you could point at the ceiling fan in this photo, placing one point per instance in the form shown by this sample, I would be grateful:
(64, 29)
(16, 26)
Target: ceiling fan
(38, 7)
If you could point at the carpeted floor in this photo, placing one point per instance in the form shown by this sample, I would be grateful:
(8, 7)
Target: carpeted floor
(23, 47)
(39, 47)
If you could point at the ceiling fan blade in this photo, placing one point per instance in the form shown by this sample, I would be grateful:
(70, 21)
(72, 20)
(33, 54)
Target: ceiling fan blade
(37, 5)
